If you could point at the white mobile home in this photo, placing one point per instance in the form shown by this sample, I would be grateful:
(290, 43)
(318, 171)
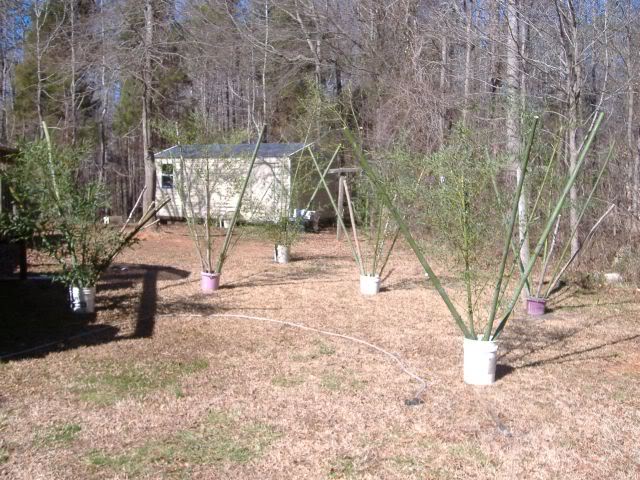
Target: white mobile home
(189, 174)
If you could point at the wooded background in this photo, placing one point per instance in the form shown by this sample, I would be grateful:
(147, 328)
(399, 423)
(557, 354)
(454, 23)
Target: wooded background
(107, 71)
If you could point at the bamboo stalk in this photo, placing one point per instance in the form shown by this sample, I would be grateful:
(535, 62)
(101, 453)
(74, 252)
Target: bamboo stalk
(207, 218)
(507, 245)
(185, 197)
(532, 212)
(548, 257)
(407, 234)
(205, 258)
(514, 249)
(378, 248)
(133, 209)
(54, 181)
(353, 226)
(323, 175)
(466, 248)
(396, 234)
(547, 230)
(386, 259)
(126, 240)
(555, 280)
(581, 214)
(333, 202)
(227, 239)
(151, 224)
(547, 172)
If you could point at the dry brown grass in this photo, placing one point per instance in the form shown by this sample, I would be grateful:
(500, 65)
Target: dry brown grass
(169, 392)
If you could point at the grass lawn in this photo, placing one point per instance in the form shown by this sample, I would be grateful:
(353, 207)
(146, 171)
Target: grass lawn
(160, 384)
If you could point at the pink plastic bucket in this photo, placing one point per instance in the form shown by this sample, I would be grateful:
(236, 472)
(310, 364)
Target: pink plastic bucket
(209, 282)
(536, 306)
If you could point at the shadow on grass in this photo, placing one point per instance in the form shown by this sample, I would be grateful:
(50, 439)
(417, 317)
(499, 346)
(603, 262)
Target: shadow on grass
(531, 343)
(420, 282)
(578, 306)
(35, 318)
(37, 312)
(280, 275)
(578, 355)
(502, 370)
(581, 297)
(333, 258)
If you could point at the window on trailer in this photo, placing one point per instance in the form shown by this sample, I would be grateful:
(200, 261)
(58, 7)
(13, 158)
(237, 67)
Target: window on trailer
(167, 175)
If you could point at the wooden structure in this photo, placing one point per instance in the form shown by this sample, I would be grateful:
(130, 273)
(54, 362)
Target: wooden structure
(342, 174)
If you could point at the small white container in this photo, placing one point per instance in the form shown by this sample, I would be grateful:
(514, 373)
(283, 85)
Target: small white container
(281, 254)
(83, 299)
(479, 361)
(369, 284)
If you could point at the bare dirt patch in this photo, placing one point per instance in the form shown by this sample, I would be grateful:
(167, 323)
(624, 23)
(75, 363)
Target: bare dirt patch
(168, 390)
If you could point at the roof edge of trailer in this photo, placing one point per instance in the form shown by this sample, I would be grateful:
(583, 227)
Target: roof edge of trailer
(219, 150)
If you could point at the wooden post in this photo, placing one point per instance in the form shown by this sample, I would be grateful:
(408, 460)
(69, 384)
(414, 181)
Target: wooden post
(340, 203)
(23, 260)
(342, 174)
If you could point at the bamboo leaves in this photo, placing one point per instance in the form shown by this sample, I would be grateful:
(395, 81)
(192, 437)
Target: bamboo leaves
(66, 212)
(466, 219)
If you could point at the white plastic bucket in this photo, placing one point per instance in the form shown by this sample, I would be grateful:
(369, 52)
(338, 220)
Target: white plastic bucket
(281, 254)
(369, 284)
(479, 361)
(83, 299)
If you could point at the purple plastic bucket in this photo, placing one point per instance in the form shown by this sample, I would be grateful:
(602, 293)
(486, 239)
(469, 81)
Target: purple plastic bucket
(536, 306)
(209, 282)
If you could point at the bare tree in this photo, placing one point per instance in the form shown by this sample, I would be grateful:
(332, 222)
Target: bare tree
(47, 28)
(571, 47)
(514, 85)
(468, 15)
(149, 163)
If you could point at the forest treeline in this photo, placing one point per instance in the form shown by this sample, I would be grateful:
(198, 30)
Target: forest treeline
(106, 73)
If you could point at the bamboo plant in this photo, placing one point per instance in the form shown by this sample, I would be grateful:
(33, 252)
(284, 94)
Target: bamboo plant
(383, 237)
(198, 186)
(549, 260)
(282, 227)
(377, 229)
(290, 187)
(562, 263)
(503, 299)
(65, 212)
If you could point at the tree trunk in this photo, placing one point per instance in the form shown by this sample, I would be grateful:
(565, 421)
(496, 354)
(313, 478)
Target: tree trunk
(574, 151)
(314, 44)
(38, 13)
(444, 57)
(467, 62)
(636, 175)
(632, 143)
(4, 110)
(105, 97)
(264, 67)
(513, 123)
(569, 36)
(149, 163)
(72, 87)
